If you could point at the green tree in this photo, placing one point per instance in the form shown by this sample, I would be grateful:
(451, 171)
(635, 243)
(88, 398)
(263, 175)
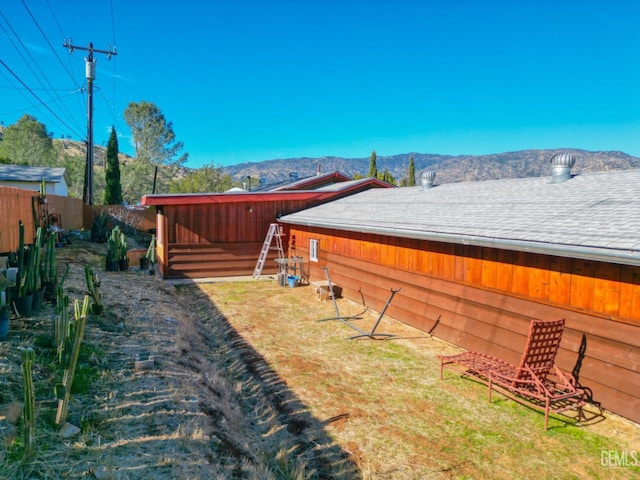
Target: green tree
(153, 137)
(27, 142)
(113, 190)
(387, 177)
(411, 180)
(136, 181)
(206, 179)
(373, 168)
(156, 151)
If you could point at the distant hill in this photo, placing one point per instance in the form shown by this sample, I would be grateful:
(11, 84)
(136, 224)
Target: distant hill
(448, 168)
(73, 148)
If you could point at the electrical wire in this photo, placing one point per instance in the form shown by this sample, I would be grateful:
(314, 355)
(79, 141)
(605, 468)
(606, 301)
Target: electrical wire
(40, 101)
(50, 45)
(113, 34)
(33, 62)
(55, 18)
(111, 109)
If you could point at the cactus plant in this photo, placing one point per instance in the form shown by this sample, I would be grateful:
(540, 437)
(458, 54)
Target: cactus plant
(117, 248)
(93, 286)
(28, 356)
(80, 315)
(61, 323)
(49, 272)
(21, 277)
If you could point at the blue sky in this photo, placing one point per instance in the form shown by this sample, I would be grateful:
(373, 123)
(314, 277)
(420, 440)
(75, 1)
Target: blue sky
(246, 81)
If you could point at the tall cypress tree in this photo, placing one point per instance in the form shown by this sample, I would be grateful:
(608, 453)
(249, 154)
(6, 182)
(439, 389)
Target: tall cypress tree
(113, 190)
(373, 168)
(411, 182)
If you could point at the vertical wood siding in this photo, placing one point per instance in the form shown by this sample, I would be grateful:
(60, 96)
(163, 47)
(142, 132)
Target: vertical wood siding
(483, 299)
(220, 239)
(15, 205)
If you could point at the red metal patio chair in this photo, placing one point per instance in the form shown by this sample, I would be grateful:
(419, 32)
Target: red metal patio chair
(536, 382)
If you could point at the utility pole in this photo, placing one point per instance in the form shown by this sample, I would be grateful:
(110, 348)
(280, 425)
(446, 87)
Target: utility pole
(90, 74)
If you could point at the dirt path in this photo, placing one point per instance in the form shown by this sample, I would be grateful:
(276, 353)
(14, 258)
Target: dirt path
(209, 408)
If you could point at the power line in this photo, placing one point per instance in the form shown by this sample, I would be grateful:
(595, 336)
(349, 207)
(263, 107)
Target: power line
(111, 108)
(49, 43)
(32, 62)
(55, 18)
(113, 34)
(37, 97)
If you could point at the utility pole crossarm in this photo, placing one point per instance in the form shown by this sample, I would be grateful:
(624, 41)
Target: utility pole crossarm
(90, 49)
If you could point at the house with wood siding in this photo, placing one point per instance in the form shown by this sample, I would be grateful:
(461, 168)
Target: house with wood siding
(476, 261)
(221, 234)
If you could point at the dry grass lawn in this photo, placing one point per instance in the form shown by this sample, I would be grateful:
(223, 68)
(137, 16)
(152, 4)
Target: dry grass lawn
(383, 401)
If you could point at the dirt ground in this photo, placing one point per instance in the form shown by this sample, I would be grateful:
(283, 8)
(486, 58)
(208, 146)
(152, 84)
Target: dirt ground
(247, 383)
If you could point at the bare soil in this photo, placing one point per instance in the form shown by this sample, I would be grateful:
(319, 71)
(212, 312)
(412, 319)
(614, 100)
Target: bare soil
(248, 383)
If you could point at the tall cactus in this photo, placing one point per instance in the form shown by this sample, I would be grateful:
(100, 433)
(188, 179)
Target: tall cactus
(61, 325)
(28, 356)
(21, 279)
(80, 315)
(49, 270)
(123, 246)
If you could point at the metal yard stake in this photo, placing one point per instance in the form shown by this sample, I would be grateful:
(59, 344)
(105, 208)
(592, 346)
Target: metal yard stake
(345, 320)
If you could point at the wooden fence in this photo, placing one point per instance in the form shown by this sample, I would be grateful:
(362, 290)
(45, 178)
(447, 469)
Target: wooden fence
(16, 206)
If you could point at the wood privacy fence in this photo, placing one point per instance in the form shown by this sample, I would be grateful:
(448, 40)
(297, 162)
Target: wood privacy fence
(16, 206)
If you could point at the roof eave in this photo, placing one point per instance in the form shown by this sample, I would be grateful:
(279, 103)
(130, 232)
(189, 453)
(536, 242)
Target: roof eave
(599, 254)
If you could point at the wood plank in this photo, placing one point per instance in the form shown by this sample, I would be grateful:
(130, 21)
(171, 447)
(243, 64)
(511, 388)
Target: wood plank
(630, 292)
(606, 296)
(560, 280)
(521, 277)
(489, 276)
(538, 276)
(504, 270)
(582, 284)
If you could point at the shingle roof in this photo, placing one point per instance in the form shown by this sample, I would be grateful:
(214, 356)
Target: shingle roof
(22, 173)
(593, 216)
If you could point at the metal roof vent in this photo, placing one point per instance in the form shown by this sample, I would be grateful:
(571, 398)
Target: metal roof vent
(293, 176)
(561, 164)
(427, 178)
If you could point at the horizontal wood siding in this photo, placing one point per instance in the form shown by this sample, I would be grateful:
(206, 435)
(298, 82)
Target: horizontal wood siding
(216, 260)
(483, 299)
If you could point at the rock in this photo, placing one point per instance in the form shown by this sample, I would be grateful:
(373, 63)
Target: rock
(8, 433)
(11, 412)
(68, 430)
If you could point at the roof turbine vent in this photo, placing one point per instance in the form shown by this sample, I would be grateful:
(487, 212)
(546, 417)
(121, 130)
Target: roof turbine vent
(427, 179)
(561, 164)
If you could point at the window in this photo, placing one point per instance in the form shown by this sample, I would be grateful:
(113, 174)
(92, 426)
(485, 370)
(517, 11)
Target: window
(313, 250)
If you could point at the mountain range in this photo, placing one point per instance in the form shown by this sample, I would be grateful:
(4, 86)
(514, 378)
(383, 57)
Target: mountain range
(448, 168)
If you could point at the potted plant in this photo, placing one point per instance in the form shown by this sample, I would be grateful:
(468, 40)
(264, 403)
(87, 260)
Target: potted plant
(117, 251)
